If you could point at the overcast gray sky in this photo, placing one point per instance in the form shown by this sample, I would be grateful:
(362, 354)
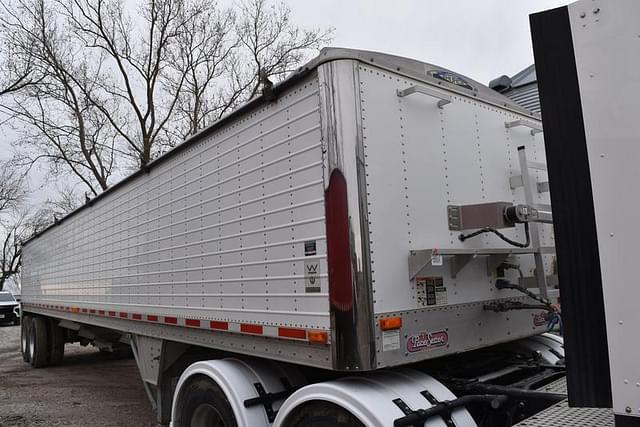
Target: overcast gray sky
(481, 39)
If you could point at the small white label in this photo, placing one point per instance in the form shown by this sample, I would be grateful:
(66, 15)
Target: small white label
(390, 340)
(436, 260)
(441, 296)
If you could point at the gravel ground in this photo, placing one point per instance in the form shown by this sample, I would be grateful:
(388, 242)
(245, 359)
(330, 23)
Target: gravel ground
(88, 389)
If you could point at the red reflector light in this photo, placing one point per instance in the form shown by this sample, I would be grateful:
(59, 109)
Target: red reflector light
(338, 243)
(135, 316)
(250, 329)
(292, 333)
(152, 318)
(124, 315)
(192, 322)
(112, 313)
(171, 320)
(214, 324)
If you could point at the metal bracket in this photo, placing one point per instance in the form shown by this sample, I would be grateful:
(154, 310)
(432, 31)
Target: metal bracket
(418, 260)
(516, 182)
(458, 262)
(543, 187)
(268, 399)
(530, 214)
(460, 258)
(535, 128)
(443, 98)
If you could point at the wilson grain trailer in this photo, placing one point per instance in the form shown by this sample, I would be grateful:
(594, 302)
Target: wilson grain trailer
(352, 247)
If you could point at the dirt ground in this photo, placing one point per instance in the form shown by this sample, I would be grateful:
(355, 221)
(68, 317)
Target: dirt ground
(88, 389)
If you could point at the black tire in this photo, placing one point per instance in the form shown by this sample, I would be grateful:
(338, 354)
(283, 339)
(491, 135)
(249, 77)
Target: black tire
(38, 342)
(56, 343)
(203, 404)
(322, 414)
(24, 338)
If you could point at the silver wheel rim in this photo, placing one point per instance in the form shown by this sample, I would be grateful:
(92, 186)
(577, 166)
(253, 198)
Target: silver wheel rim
(23, 341)
(32, 346)
(206, 415)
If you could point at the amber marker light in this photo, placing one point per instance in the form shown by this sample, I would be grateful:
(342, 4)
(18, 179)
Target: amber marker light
(390, 323)
(318, 337)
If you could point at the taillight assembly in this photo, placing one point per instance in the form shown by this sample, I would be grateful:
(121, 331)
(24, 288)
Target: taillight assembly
(338, 243)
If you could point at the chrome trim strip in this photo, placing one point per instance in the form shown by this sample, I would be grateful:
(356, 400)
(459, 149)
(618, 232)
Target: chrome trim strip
(352, 338)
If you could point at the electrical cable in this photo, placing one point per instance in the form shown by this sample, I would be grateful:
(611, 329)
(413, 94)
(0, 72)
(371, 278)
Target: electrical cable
(504, 284)
(514, 305)
(464, 237)
(554, 318)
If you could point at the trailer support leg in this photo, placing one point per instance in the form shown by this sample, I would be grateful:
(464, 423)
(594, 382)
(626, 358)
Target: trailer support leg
(160, 363)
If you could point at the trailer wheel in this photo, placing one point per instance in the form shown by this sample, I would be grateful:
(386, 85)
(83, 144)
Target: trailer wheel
(322, 414)
(56, 343)
(38, 345)
(203, 404)
(24, 337)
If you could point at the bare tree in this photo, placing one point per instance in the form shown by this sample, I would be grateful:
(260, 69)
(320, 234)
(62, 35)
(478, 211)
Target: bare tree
(12, 191)
(11, 254)
(14, 75)
(228, 55)
(62, 127)
(106, 87)
(14, 230)
(19, 221)
(273, 45)
(139, 59)
(12, 195)
(206, 46)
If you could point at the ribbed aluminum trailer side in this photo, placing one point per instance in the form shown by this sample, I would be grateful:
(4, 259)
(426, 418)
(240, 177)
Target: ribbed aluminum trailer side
(206, 246)
(328, 223)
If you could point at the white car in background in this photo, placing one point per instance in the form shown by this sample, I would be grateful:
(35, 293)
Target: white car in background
(9, 308)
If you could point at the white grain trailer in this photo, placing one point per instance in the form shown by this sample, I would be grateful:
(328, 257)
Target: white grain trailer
(369, 212)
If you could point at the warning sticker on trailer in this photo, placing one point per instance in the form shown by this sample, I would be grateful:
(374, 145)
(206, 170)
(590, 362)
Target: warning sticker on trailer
(430, 291)
(311, 276)
(310, 248)
(390, 340)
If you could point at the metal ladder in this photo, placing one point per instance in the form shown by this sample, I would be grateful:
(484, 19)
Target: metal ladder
(524, 180)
